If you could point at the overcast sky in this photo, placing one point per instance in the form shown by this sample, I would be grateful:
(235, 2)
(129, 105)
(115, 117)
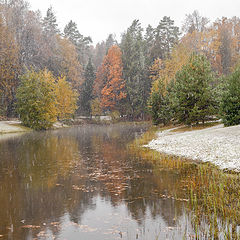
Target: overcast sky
(98, 18)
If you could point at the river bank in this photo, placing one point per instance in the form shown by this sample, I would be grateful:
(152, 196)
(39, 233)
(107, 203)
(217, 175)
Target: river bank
(218, 145)
(15, 126)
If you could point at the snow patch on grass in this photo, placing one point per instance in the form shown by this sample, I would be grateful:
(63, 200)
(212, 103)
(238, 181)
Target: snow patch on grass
(218, 145)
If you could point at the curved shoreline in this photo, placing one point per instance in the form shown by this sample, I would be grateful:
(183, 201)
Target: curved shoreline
(13, 126)
(218, 145)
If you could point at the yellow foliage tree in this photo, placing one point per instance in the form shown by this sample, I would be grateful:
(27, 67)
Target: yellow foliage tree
(70, 65)
(36, 103)
(66, 99)
(165, 70)
(9, 69)
(96, 109)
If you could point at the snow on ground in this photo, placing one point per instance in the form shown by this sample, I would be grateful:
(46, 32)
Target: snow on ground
(16, 127)
(11, 127)
(218, 145)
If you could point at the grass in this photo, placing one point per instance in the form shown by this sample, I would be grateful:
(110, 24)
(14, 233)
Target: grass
(213, 194)
(196, 127)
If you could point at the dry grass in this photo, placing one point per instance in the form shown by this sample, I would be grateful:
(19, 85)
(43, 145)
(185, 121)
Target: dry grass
(214, 195)
(195, 127)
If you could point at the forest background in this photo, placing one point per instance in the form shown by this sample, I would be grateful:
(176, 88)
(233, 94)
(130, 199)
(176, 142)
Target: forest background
(163, 71)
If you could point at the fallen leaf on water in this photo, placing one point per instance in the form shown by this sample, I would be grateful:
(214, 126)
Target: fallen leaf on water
(55, 223)
(41, 234)
(30, 226)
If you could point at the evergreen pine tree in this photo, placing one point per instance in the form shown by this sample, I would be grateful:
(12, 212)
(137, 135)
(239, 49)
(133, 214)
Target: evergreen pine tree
(194, 100)
(110, 42)
(87, 89)
(71, 32)
(50, 25)
(135, 71)
(81, 43)
(160, 105)
(165, 37)
(230, 105)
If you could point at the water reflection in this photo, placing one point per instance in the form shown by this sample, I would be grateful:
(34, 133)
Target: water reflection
(84, 183)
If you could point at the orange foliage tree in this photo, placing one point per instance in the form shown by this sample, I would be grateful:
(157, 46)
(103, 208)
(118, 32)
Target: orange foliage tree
(114, 89)
(101, 79)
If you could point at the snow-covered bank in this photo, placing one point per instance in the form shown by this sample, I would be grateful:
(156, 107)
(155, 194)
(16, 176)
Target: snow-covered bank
(15, 126)
(12, 127)
(218, 145)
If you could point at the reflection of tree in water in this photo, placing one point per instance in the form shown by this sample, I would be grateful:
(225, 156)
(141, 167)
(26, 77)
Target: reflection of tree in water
(30, 169)
(143, 195)
(127, 178)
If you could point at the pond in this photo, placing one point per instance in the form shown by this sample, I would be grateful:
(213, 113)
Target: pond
(86, 182)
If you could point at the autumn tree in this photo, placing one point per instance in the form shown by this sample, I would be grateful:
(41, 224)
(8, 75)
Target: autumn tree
(34, 47)
(195, 22)
(66, 99)
(41, 99)
(98, 85)
(36, 100)
(101, 50)
(96, 109)
(163, 77)
(166, 69)
(69, 64)
(9, 70)
(101, 79)
(228, 44)
(114, 89)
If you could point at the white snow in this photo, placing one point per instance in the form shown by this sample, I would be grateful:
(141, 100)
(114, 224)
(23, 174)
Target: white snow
(218, 145)
(11, 127)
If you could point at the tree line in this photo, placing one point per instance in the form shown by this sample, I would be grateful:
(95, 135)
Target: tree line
(146, 73)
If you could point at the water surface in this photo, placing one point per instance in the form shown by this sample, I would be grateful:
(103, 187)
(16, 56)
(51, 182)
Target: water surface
(85, 183)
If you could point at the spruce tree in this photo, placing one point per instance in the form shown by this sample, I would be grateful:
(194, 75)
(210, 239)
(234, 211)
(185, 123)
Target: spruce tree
(71, 32)
(50, 25)
(81, 43)
(135, 71)
(87, 89)
(166, 35)
(230, 105)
